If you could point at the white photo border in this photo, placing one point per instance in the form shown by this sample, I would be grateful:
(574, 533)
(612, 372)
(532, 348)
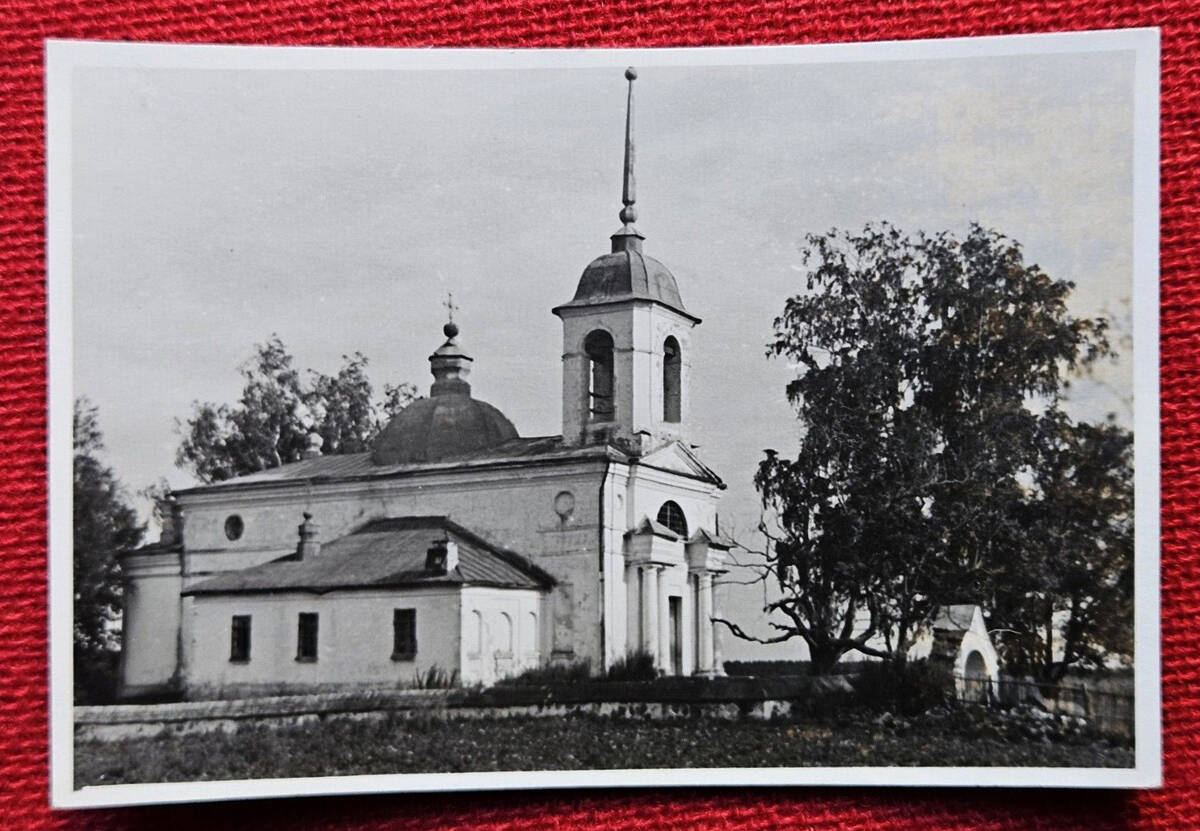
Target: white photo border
(63, 58)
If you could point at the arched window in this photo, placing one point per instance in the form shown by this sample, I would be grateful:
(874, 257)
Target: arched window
(505, 645)
(671, 380)
(671, 515)
(529, 638)
(599, 350)
(477, 635)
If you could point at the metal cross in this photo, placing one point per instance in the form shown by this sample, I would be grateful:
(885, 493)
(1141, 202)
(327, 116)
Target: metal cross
(450, 307)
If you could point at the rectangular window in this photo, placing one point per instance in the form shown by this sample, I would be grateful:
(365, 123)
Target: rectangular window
(306, 637)
(239, 639)
(404, 634)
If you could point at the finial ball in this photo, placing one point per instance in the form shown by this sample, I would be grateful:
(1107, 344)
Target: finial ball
(450, 329)
(631, 74)
(307, 516)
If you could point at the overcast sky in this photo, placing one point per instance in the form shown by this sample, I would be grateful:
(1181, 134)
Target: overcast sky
(212, 208)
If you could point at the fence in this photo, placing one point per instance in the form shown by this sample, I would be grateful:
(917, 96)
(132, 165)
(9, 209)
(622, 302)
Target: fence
(1110, 711)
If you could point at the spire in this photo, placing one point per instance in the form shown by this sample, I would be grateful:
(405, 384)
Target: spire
(628, 238)
(449, 364)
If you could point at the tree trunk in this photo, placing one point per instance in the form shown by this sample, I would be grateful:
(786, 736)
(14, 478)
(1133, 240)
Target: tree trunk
(823, 658)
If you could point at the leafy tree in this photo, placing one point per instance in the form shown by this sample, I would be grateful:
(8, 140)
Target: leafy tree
(279, 407)
(104, 525)
(928, 375)
(1071, 602)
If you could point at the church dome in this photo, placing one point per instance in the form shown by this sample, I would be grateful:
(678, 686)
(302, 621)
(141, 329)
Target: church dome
(438, 427)
(449, 422)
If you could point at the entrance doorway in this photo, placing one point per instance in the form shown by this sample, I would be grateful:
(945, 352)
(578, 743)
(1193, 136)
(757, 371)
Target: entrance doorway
(675, 605)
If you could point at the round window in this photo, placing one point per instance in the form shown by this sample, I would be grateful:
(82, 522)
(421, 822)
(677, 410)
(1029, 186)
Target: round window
(234, 526)
(564, 505)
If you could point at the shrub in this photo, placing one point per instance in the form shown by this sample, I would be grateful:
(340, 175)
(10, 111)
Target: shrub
(560, 673)
(904, 689)
(635, 666)
(766, 669)
(788, 669)
(96, 675)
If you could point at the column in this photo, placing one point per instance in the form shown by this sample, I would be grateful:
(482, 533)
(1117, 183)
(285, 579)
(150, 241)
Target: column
(704, 612)
(716, 630)
(649, 609)
(664, 625)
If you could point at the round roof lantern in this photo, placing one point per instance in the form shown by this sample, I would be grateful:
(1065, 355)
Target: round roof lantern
(449, 422)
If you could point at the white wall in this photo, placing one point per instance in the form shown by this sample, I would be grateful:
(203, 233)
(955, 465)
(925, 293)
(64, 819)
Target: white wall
(354, 640)
(640, 492)
(585, 615)
(150, 624)
(639, 330)
(648, 489)
(511, 508)
(502, 632)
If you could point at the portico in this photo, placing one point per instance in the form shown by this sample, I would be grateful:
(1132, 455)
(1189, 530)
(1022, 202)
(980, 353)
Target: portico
(706, 560)
(657, 558)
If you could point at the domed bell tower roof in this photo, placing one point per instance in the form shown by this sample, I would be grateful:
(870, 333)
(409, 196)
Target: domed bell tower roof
(626, 273)
(449, 422)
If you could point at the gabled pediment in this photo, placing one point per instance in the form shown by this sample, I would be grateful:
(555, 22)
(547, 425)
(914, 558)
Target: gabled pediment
(677, 457)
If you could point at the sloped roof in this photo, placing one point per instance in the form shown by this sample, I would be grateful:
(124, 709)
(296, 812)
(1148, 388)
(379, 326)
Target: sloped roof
(713, 539)
(625, 275)
(652, 526)
(152, 548)
(955, 618)
(674, 458)
(385, 553)
(360, 465)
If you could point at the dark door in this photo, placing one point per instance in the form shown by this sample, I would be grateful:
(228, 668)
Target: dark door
(676, 609)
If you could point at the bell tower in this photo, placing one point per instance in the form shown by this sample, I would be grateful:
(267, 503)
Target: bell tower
(626, 339)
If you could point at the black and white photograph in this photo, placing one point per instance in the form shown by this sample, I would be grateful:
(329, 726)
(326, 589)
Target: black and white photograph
(467, 419)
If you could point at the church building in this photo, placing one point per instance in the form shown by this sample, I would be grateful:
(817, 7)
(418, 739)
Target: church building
(457, 543)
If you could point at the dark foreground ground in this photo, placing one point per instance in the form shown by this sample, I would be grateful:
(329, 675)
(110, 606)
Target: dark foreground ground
(582, 742)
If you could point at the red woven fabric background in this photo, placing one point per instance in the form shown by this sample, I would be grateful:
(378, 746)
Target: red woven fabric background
(517, 23)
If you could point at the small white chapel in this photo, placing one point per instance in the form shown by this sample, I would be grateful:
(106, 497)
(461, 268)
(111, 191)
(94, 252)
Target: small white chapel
(457, 543)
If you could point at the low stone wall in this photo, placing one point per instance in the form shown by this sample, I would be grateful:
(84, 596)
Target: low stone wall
(126, 721)
(727, 699)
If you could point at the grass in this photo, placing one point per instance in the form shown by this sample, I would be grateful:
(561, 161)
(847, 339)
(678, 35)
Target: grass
(435, 678)
(577, 743)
